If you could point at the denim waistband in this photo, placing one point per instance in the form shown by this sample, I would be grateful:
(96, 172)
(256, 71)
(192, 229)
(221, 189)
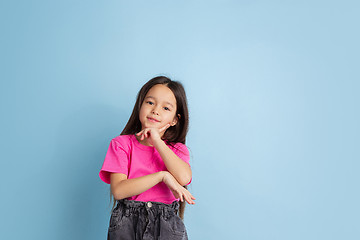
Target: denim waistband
(150, 204)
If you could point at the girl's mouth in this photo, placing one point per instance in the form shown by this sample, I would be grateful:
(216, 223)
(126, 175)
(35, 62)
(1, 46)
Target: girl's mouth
(152, 120)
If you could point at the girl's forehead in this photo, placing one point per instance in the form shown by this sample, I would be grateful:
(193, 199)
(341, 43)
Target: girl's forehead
(160, 92)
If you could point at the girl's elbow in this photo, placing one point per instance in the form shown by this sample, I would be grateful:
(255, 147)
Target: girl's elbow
(185, 180)
(118, 196)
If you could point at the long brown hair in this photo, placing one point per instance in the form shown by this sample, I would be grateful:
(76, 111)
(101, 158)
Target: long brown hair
(173, 134)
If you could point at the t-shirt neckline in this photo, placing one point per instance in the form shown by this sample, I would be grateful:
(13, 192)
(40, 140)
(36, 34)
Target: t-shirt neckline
(142, 146)
(139, 144)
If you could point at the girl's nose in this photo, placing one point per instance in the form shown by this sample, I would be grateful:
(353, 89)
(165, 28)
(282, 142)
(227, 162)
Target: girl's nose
(154, 111)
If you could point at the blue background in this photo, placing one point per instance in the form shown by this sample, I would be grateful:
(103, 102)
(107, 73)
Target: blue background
(273, 92)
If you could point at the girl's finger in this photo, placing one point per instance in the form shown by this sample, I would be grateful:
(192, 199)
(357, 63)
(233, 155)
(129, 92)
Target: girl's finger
(190, 197)
(164, 127)
(190, 201)
(187, 199)
(142, 136)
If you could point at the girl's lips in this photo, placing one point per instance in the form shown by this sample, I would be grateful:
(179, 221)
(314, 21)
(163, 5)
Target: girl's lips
(152, 120)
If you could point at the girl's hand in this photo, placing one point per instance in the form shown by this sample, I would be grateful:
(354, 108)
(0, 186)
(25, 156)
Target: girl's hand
(152, 133)
(178, 190)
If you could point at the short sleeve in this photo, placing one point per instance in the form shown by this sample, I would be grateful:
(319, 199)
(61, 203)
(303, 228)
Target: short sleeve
(182, 152)
(116, 160)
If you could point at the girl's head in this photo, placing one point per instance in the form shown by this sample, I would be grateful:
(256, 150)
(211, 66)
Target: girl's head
(165, 101)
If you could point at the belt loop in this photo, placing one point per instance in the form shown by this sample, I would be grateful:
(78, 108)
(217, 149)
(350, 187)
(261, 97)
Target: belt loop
(164, 213)
(127, 211)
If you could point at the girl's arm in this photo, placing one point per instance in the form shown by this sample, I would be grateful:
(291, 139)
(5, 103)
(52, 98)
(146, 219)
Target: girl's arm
(177, 167)
(121, 187)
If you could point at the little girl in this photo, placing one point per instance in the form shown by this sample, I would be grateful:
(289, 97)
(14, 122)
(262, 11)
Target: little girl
(147, 166)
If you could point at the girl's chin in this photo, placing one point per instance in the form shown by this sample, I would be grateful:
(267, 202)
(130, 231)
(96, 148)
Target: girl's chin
(152, 125)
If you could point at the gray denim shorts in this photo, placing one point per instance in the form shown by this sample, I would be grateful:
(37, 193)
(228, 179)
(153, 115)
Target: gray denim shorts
(133, 220)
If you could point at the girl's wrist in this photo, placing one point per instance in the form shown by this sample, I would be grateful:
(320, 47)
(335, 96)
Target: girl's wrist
(163, 175)
(157, 142)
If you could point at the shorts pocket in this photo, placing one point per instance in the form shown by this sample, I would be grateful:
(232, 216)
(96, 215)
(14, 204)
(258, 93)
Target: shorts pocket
(115, 219)
(173, 225)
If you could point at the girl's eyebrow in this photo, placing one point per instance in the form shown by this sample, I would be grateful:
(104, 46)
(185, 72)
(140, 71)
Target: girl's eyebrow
(155, 99)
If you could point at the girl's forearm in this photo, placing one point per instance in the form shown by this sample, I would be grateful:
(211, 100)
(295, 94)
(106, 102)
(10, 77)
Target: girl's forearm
(131, 187)
(177, 167)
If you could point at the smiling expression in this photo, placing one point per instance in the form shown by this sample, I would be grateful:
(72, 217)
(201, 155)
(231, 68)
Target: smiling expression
(158, 107)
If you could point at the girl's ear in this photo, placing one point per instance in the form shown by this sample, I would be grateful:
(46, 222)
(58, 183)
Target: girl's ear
(176, 120)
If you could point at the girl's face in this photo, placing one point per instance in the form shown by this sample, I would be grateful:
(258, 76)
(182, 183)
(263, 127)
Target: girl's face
(158, 108)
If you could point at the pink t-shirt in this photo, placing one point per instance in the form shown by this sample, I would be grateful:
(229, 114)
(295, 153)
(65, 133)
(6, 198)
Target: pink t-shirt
(128, 156)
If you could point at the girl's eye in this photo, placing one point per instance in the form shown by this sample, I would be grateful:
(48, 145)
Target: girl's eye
(166, 108)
